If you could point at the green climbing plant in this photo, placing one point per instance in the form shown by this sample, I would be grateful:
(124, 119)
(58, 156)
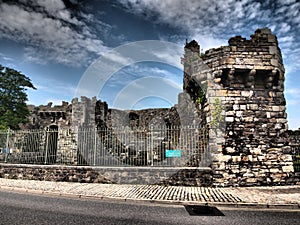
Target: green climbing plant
(193, 58)
(201, 97)
(216, 113)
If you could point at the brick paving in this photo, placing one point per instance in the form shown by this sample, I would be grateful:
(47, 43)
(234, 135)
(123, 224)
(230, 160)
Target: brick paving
(252, 195)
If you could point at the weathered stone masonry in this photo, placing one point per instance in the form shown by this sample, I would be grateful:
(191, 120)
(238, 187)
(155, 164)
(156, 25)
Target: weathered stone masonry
(248, 78)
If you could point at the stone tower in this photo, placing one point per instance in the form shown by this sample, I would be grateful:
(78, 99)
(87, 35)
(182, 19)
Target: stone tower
(247, 79)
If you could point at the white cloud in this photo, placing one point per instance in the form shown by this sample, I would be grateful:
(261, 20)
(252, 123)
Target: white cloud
(61, 88)
(117, 58)
(293, 91)
(206, 17)
(138, 71)
(6, 58)
(170, 56)
(146, 87)
(284, 28)
(291, 58)
(54, 101)
(293, 102)
(211, 20)
(57, 9)
(294, 123)
(50, 35)
(207, 42)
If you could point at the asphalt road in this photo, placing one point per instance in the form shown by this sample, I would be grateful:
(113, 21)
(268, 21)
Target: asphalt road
(23, 208)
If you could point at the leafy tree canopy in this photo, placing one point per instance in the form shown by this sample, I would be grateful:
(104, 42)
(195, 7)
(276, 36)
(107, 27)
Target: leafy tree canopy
(13, 97)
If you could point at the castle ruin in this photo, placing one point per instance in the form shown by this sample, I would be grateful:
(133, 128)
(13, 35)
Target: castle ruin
(236, 91)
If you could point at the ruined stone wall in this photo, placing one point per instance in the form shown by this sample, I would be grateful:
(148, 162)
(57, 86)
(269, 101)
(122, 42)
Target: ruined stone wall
(44, 116)
(54, 121)
(83, 112)
(248, 79)
(143, 118)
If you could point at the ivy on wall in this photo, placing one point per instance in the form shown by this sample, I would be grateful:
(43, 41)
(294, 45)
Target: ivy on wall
(216, 113)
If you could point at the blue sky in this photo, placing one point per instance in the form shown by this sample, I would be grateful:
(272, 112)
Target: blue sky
(54, 43)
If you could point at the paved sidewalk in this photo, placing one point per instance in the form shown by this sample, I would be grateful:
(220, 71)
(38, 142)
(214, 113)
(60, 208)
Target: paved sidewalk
(256, 196)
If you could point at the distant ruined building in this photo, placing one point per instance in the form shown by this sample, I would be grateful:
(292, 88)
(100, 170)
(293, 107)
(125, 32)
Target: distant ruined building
(235, 91)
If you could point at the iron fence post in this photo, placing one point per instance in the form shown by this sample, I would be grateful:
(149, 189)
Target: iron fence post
(46, 147)
(7, 145)
(152, 145)
(75, 137)
(95, 145)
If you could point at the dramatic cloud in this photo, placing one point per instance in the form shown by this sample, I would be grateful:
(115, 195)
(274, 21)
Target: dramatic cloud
(50, 31)
(294, 95)
(205, 17)
(212, 22)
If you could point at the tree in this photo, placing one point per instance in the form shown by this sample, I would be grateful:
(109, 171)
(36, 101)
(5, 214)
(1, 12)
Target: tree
(13, 97)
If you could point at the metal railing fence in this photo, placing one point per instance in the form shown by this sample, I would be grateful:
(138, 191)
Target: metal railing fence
(122, 146)
(296, 158)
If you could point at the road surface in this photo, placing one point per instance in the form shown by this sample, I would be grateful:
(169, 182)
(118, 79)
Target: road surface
(24, 208)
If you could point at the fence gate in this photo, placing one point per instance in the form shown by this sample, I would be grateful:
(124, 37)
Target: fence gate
(156, 146)
(51, 145)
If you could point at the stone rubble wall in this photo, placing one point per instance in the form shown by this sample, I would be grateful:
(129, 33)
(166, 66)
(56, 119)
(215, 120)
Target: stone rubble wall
(107, 175)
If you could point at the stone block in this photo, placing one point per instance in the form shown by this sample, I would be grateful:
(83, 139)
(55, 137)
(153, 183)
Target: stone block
(249, 174)
(239, 113)
(248, 119)
(222, 158)
(246, 93)
(286, 158)
(259, 67)
(236, 107)
(233, 48)
(275, 108)
(221, 93)
(276, 180)
(250, 158)
(253, 106)
(281, 120)
(256, 151)
(230, 113)
(230, 61)
(230, 150)
(273, 50)
(288, 169)
(274, 170)
(235, 170)
(240, 66)
(243, 107)
(236, 159)
(229, 119)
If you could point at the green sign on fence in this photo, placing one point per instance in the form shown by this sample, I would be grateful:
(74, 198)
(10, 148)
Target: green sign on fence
(173, 153)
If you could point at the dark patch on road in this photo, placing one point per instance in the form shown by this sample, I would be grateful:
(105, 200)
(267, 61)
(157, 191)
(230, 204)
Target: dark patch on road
(203, 210)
